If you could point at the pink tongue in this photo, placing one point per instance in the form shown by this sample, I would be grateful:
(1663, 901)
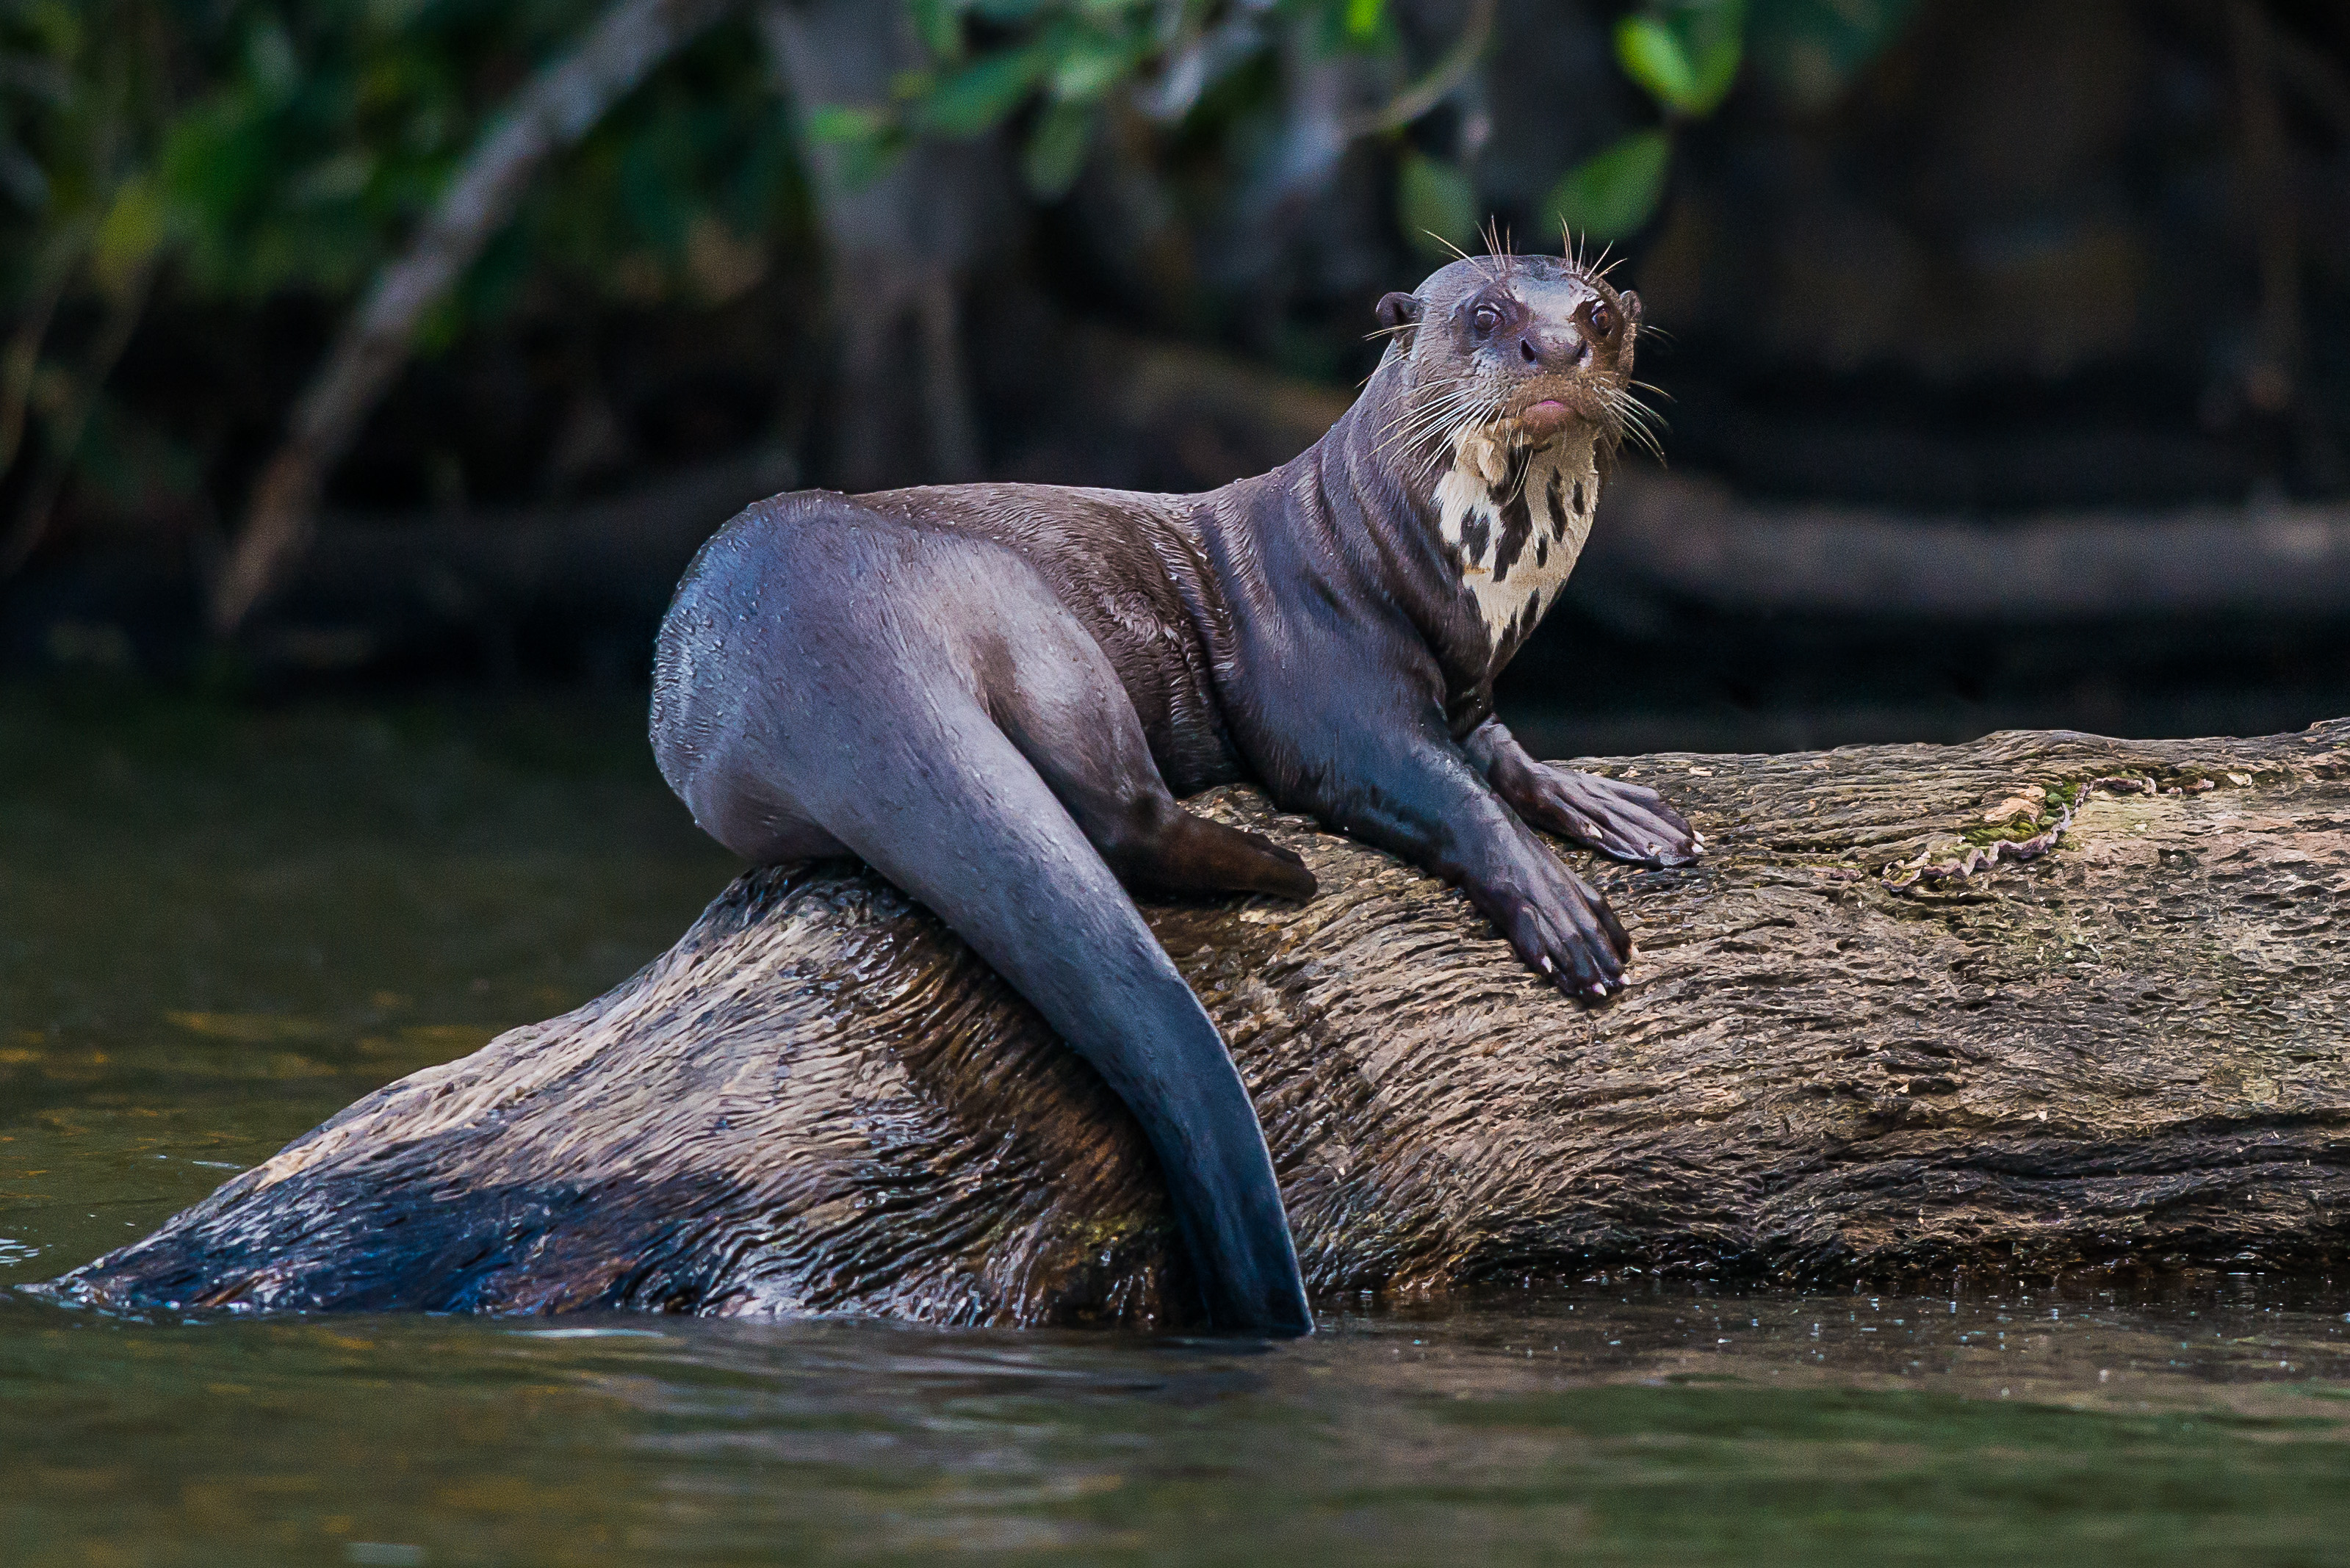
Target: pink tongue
(1550, 411)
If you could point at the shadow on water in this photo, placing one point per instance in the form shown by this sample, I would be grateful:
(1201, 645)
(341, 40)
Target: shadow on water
(218, 926)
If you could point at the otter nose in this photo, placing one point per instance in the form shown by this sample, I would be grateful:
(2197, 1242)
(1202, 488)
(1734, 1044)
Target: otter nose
(1555, 348)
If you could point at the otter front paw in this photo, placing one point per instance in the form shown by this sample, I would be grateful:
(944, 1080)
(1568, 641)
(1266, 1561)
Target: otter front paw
(1623, 821)
(1562, 926)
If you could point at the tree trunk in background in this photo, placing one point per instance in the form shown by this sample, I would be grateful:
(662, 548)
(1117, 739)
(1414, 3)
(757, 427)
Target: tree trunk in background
(2129, 1051)
(899, 248)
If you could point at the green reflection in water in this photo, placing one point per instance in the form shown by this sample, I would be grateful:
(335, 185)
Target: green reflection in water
(1858, 1476)
(1383, 1440)
(217, 927)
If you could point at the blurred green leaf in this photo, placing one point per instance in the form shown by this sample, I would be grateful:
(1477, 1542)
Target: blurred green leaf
(1435, 203)
(1610, 195)
(939, 23)
(1055, 154)
(867, 140)
(1652, 56)
(336, 179)
(983, 94)
(270, 59)
(841, 122)
(127, 237)
(1685, 55)
(59, 28)
(1086, 65)
(1363, 18)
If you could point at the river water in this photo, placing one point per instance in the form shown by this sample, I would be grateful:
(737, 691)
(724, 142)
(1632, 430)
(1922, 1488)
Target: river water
(218, 926)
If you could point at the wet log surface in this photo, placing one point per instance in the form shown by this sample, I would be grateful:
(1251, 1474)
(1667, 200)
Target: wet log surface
(2126, 1053)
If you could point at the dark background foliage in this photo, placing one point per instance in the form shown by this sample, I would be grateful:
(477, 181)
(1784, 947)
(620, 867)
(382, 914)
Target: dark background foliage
(1989, 260)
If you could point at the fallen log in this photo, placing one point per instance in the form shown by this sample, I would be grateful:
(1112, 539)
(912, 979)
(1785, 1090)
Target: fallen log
(1674, 540)
(1854, 1048)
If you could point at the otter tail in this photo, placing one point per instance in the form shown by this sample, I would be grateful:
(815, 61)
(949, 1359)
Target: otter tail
(985, 843)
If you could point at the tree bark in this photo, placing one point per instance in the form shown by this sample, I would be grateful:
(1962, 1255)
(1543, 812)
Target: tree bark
(900, 244)
(2126, 1053)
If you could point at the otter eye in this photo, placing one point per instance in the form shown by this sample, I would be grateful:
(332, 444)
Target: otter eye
(1603, 320)
(1486, 318)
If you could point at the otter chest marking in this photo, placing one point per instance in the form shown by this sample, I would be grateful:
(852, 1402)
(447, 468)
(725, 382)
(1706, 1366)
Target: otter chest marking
(1516, 520)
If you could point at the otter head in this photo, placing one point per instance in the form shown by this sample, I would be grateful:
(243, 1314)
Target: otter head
(1514, 351)
(1509, 389)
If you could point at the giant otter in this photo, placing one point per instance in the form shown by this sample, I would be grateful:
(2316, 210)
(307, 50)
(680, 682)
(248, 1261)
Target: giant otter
(994, 694)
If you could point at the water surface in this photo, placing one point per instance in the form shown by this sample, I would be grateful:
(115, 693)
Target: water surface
(219, 926)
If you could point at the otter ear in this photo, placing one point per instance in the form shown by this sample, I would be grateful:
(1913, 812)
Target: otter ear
(1398, 311)
(1631, 306)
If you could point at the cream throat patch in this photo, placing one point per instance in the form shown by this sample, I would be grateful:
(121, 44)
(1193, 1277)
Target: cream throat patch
(1515, 518)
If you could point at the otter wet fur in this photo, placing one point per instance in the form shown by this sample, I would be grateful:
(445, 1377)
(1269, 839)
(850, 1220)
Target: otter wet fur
(994, 694)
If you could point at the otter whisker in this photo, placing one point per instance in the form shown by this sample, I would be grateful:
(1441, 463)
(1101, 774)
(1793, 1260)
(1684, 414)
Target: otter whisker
(1435, 444)
(1474, 419)
(1429, 416)
(1425, 424)
(1447, 244)
(1422, 419)
(1443, 424)
(1499, 243)
(1624, 398)
(1643, 415)
(1451, 413)
(1450, 401)
(1634, 422)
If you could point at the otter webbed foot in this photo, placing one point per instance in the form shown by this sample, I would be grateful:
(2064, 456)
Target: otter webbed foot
(1562, 926)
(1623, 821)
(1573, 936)
(1176, 852)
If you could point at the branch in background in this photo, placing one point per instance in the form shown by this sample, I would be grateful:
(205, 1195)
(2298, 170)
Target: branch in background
(23, 360)
(1661, 539)
(1441, 81)
(32, 525)
(1320, 127)
(554, 110)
